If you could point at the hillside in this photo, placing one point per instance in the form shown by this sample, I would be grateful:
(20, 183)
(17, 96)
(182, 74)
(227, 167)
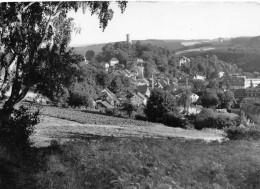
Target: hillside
(242, 51)
(171, 44)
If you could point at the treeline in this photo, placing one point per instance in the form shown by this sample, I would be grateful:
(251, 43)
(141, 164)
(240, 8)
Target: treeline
(82, 86)
(247, 59)
(163, 59)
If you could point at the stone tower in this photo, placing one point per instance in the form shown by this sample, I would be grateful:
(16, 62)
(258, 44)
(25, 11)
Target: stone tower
(128, 40)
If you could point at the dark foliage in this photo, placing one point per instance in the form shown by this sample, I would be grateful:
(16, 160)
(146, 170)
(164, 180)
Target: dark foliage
(128, 107)
(16, 129)
(161, 107)
(242, 132)
(208, 119)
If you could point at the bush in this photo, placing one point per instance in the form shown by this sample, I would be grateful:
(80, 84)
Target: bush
(109, 111)
(140, 117)
(207, 119)
(16, 129)
(161, 107)
(128, 107)
(174, 119)
(79, 99)
(81, 94)
(242, 132)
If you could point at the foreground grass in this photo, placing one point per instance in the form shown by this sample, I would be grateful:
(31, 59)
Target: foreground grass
(147, 163)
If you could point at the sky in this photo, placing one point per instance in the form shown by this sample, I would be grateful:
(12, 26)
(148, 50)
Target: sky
(171, 20)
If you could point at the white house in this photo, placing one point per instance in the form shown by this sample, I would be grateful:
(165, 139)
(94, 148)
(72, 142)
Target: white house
(184, 60)
(104, 65)
(199, 77)
(221, 74)
(113, 61)
(194, 97)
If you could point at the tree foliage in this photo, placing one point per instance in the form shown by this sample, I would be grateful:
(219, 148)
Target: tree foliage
(30, 32)
(209, 99)
(162, 108)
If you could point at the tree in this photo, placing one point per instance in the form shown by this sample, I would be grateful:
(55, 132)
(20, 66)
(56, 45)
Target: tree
(32, 31)
(128, 107)
(256, 74)
(226, 99)
(209, 99)
(198, 85)
(81, 94)
(116, 85)
(103, 79)
(185, 99)
(89, 55)
(159, 105)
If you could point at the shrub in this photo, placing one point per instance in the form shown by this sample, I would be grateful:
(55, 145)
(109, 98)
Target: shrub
(242, 132)
(161, 107)
(174, 119)
(128, 107)
(207, 119)
(16, 129)
(140, 117)
(78, 98)
(109, 111)
(81, 94)
(209, 99)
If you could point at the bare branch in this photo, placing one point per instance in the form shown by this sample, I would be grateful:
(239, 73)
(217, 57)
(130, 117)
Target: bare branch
(26, 7)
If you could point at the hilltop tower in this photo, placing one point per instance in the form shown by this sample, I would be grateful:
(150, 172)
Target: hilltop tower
(128, 40)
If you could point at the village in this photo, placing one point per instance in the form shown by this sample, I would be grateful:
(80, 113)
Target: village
(129, 95)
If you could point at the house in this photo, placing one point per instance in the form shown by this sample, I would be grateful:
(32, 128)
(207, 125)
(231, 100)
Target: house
(144, 89)
(103, 105)
(221, 74)
(242, 82)
(104, 65)
(236, 82)
(199, 77)
(143, 81)
(192, 110)
(144, 99)
(113, 61)
(138, 99)
(239, 94)
(252, 94)
(194, 98)
(137, 72)
(183, 61)
(107, 95)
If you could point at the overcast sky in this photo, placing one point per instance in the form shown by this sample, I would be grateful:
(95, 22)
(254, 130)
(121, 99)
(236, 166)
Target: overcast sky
(171, 20)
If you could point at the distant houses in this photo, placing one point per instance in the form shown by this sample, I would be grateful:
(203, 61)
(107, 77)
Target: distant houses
(113, 61)
(184, 61)
(242, 82)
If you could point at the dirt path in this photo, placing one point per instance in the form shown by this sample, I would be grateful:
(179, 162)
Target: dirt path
(63, 130)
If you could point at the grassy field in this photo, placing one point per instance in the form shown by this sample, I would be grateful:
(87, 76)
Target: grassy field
(141, 163)
(89, 118)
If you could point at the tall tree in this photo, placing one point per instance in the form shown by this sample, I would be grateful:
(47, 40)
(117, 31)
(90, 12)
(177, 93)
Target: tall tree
(32, 31)
(89, 54)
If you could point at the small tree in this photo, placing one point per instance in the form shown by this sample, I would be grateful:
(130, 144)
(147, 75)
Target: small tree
(89, 55)
(209, 99)
(128, 107)
(226, 99)
(185, 99)
(161, 107)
